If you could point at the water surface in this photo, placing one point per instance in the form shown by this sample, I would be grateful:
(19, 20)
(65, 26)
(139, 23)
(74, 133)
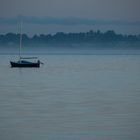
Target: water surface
(71, 97)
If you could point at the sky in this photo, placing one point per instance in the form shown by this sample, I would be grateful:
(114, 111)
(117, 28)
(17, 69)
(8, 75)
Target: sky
(50, 16)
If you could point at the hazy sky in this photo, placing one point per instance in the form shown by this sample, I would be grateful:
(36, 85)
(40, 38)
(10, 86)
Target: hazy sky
(106, 9)
(118, 10)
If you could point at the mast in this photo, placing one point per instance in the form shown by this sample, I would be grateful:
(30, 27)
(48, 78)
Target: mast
(20, 43)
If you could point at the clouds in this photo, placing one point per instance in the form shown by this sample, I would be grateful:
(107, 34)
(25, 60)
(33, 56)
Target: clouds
(51, 25)
(94, 9)
(67, 21)
(71, 15)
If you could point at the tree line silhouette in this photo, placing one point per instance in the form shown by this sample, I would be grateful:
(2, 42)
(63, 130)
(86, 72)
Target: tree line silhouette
(61, 37)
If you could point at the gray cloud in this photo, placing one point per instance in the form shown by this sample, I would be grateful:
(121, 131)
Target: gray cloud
(66, 21)
(95, 9)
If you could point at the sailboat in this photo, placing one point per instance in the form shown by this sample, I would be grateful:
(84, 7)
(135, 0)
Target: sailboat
(23, 62)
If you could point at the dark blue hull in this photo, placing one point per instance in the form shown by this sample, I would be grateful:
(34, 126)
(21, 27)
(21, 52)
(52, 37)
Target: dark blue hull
(23, 65)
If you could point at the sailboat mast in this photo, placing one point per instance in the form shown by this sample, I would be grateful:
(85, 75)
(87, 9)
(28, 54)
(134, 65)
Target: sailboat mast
(20, 43)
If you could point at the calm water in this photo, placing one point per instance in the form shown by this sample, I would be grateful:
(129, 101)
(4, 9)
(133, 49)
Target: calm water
(71, 97)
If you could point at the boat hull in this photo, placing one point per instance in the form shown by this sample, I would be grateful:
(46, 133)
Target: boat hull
(24, 65)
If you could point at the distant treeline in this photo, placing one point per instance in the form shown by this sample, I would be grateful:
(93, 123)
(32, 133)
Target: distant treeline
(60, 37)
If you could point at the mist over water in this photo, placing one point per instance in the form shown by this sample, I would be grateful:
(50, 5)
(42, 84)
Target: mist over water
(81, 92)
(79, 49)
